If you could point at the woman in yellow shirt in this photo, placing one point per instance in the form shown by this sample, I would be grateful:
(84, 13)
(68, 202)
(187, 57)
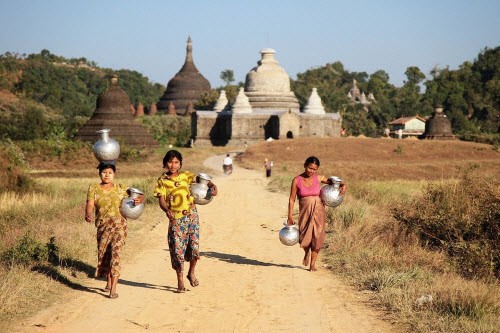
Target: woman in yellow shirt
(175, 199)
(103, 208)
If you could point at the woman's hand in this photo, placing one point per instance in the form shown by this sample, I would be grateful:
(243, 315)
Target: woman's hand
(139, 200)
(214, 190)
(170, 214)
(289, 221)
(343, 188)
(88, 218)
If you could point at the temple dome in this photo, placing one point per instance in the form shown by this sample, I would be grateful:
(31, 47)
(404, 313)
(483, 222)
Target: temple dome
(113, 112)
(241, 104)
(268, 85)
(314, 105)
(186, 86)
(114, 98)
(438, 126)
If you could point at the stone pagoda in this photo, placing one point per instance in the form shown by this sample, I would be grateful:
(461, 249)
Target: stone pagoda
(113, 112)
(314, 105)
(438, 126)
(186, 86)
(267, 86)
(356, 96)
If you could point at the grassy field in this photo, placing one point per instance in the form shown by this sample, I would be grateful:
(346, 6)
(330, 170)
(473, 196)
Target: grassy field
(421, 287)
(47, 249)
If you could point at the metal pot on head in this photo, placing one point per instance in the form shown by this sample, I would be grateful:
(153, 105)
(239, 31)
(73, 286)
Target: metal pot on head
(127, 207)
(330, 194)
(106, 149)
(200, 191)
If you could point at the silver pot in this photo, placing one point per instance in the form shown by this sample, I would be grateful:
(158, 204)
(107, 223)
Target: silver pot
(128, 209)
(289, 235)
(200, 191)
(106, 149)
(330, 194)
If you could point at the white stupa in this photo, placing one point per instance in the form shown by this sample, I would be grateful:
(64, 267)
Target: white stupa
(314, 105)
(241, 104)
(222, 102)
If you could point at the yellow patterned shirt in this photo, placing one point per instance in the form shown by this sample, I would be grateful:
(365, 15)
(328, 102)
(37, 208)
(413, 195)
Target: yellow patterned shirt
(175, 190)
(106, 202)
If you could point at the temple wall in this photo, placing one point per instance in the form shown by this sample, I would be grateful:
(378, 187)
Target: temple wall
(225, 128)
(320, 125)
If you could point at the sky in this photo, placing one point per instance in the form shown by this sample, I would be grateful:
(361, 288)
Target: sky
(149, 36)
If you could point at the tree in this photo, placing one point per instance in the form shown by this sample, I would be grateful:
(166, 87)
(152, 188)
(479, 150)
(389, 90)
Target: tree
(227, 76)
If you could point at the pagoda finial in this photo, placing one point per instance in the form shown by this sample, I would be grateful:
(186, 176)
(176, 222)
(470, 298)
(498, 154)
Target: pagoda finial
(189, 50)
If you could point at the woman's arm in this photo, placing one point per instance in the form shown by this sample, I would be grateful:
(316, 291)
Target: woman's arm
(291, 201)
(165, 207)
(89, 211)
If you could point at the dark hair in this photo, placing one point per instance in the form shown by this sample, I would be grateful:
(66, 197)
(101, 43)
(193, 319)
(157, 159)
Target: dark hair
(106, 165)
(311, 160)
(227, 155)
(170, 155)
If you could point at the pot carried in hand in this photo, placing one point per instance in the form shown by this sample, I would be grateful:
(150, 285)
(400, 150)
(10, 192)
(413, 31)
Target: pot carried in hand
(200, 191)
(289, 235)
(128, 209)
(106, 149)
(330, 194)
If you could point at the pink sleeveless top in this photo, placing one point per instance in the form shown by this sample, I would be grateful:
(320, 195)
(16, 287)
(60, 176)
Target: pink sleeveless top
(304, 191)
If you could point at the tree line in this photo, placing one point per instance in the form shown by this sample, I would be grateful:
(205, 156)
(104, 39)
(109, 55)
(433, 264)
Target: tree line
(64, 91)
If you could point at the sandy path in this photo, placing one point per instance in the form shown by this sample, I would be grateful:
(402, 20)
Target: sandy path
(249, 282)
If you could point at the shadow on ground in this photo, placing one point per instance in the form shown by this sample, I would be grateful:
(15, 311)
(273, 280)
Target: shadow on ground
(237, 259)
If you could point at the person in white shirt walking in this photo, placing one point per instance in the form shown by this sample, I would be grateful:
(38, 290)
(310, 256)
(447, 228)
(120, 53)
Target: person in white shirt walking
(227, 165)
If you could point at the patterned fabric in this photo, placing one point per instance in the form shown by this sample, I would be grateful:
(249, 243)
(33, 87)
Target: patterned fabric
(184, 239)
(312, 222)
(307, 191)
(111, 237)
(111, 227)
(176, 191)
(107, 202)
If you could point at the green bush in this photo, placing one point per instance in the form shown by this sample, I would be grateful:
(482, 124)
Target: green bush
(26, 250)
(461, 217)
(169, 129)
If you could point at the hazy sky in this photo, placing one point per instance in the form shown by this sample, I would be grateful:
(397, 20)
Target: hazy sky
(149, 36)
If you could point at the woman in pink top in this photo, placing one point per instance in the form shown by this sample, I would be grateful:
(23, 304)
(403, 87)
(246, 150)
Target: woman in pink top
(312, 215)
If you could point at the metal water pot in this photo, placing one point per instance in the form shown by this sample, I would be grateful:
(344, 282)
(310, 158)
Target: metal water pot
(128, 209)
(200, 191)
(330, 194)
(289, 235)
(106, 149)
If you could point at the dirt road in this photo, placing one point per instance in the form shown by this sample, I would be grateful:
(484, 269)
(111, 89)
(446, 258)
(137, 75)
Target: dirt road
(249, 281)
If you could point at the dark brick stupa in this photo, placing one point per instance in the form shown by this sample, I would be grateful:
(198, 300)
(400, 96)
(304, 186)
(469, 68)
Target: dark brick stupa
(438, 126)
(113, 112)
(186, 86)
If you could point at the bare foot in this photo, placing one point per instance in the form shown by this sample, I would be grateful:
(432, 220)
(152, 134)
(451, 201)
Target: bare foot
(305, 262)
(312, 268)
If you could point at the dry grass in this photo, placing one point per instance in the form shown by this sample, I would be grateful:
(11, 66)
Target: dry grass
(57, 211)
(373, 251)
(367, 247)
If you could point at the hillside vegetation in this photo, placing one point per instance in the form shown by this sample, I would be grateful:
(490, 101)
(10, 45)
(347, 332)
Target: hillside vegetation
(59, 94)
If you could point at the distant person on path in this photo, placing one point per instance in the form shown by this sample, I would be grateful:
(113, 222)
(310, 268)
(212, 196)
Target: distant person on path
(227, 165)
(268, 165)
(175, 199)
(342, 132)
(312, 215)
(103, 207)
